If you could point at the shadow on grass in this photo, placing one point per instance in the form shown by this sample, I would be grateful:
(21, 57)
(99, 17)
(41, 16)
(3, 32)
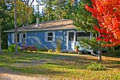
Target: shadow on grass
(34, 70)
(112, 54)
(114, 66)
(55, 64)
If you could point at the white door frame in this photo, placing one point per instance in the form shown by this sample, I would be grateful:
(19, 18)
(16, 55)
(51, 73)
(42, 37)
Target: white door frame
(91, 35)
(74, 41)
(22, 37)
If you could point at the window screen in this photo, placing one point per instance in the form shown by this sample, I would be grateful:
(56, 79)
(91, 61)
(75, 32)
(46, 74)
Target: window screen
(71, 36)
(80, 35)
(18, 37)
(50, 36)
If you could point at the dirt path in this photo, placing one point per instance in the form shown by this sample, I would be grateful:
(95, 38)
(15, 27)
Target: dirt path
(6, 74)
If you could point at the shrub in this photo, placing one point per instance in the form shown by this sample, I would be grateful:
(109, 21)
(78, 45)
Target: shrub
(50, 50)
(12, 48)
(96, 67)
(58, 49)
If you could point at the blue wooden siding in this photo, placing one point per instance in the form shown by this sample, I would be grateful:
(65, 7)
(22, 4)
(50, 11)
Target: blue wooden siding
(37, 38)
(10, 40)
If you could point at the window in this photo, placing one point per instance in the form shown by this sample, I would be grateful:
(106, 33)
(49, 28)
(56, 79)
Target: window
(71, 36)
(80, 35)
(18, 37)
(50, 36)
(24, 36)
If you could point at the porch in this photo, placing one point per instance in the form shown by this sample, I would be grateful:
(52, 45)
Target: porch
(74, 37)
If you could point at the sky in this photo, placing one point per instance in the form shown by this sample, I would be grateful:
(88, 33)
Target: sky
(40, 7)
(35, 8)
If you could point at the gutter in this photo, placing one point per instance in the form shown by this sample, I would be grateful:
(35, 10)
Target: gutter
(38, 30)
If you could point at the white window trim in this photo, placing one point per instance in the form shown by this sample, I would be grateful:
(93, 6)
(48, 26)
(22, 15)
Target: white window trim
(20, 36)
(46, 36)
(13, 35)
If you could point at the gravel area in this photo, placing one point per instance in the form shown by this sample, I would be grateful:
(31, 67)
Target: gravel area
(6, 74)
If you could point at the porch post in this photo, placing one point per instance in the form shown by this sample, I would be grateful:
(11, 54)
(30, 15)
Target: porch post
(67, 39)
(91, 36)
(74, 39)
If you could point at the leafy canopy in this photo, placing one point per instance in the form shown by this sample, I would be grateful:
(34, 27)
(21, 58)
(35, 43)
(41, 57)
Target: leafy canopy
(107, 12)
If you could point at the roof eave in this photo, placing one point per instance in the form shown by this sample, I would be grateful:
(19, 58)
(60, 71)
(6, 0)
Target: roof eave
(9, 31)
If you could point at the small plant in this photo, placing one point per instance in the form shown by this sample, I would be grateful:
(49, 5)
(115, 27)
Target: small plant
(96, 67)
(50, 50)
(77, 48)
(12, 48)
(58, 49)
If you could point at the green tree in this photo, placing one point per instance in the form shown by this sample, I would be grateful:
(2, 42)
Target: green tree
(3, 16)
(82, 18)
(84, 21)
(15, 25)
(8, 19)
(27, 10)
(58, 9)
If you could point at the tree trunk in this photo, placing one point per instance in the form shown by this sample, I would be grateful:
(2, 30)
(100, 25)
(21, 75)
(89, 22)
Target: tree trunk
(99, 55)
(15, 24)
(27, 19)
(99, 50)
(0, 41)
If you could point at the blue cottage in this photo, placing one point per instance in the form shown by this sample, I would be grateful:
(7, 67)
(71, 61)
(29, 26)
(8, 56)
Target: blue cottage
(47, 33)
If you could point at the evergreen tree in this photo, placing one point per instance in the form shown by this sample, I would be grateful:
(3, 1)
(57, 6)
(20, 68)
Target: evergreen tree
(84, 21)
(3, 19)
(58, 9)
(82, 18)
(7, 17)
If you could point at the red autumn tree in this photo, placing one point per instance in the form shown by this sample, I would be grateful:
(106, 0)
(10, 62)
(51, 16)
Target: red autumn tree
(107, 12)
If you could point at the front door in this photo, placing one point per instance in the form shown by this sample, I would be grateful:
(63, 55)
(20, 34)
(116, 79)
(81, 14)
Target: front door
(23, 35)
(71, 41)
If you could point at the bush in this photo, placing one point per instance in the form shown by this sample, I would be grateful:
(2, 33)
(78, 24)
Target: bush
(50, 50)
(12, 48)
(58, 49)
(96, 67)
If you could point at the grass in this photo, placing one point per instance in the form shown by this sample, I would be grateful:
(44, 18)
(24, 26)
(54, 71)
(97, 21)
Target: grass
(60, 66)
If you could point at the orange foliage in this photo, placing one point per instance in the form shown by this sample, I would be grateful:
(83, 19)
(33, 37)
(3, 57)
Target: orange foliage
(107, 12)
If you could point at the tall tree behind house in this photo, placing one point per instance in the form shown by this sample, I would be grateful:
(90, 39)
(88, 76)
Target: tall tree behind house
(58, 9)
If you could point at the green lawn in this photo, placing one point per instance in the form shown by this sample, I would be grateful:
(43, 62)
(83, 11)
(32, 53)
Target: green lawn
(60, 66)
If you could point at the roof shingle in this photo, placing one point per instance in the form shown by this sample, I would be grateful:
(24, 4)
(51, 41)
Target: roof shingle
(64, 24)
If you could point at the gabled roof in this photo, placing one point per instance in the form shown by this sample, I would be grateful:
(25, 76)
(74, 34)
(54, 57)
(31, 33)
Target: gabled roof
(63, 24)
